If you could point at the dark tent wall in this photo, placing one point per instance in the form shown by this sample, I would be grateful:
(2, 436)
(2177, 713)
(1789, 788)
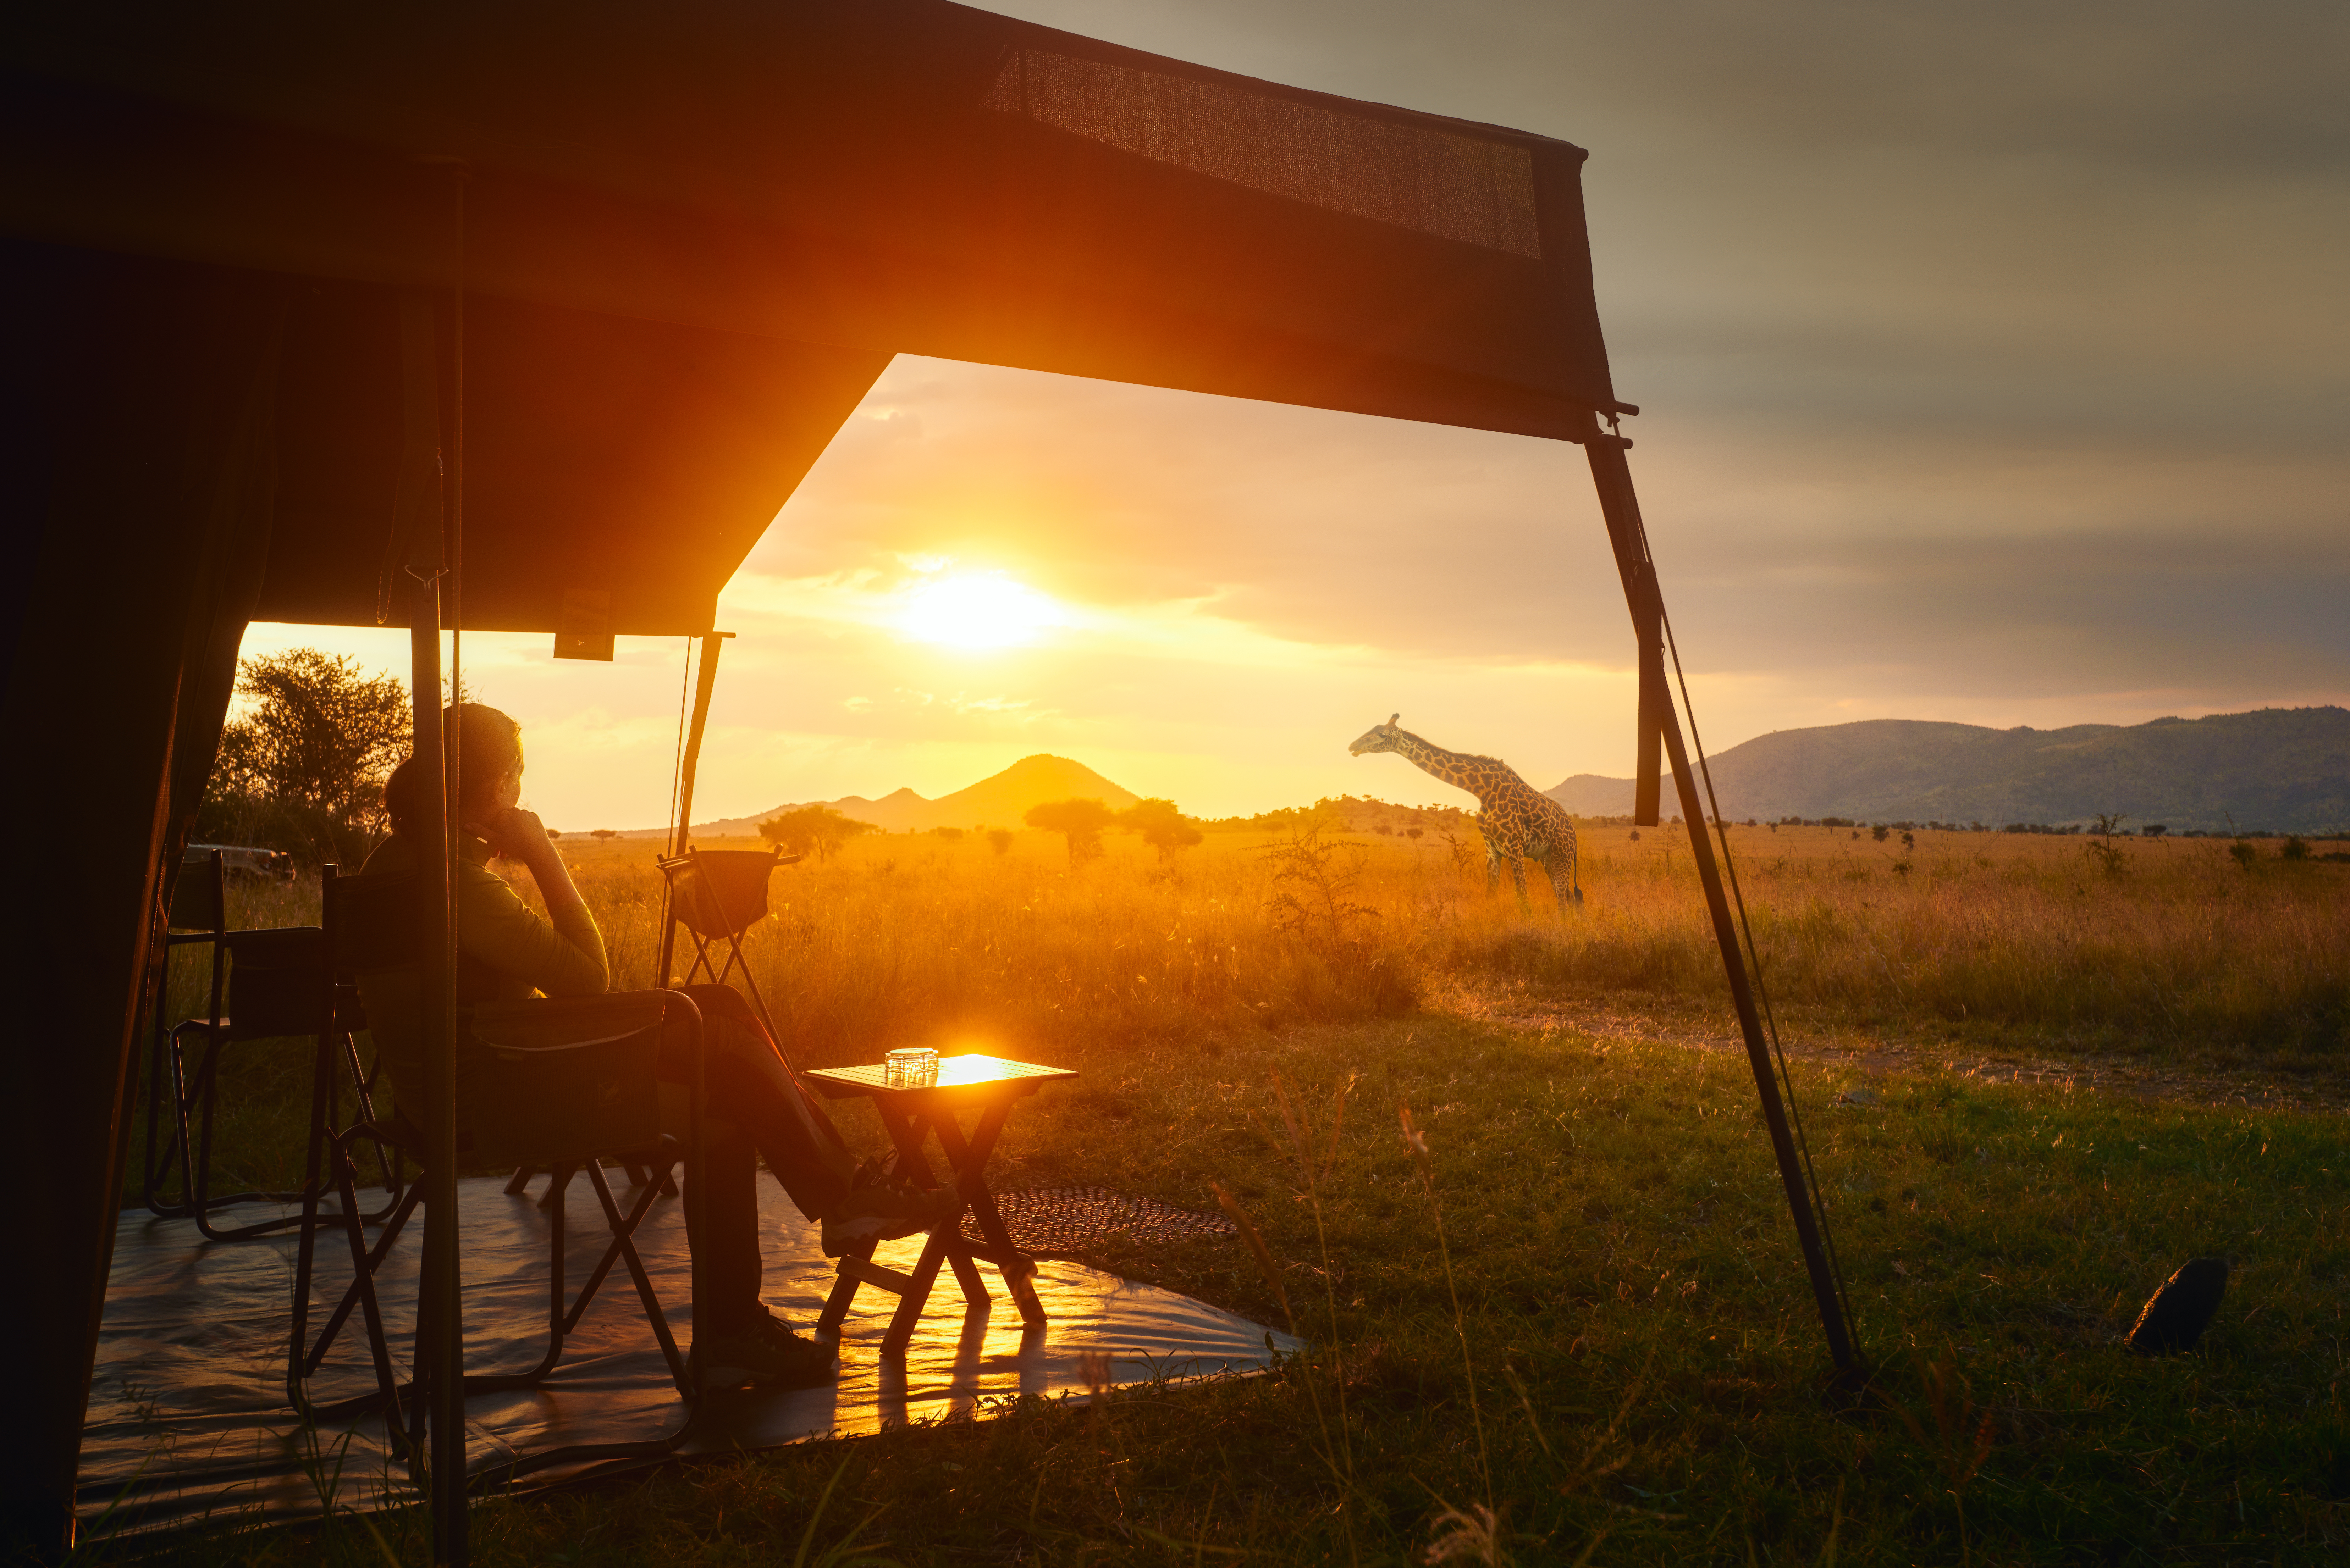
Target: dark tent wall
(138, 413)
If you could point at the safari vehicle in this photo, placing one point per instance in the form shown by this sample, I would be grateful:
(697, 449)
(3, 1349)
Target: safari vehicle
(244, 860)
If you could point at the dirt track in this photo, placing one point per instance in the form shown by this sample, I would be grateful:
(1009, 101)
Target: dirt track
(2195, 1083)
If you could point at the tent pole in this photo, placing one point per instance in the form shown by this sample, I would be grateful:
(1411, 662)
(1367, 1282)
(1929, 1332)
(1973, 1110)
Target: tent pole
(440, 1350)
(1655, 706)
(1612, 476)
(702, 689)
(687, 761)
(417, 514)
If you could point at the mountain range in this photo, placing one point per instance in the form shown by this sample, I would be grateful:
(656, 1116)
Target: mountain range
(2275, 769)
(999, 801)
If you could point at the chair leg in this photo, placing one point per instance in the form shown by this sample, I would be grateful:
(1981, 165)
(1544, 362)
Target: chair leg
(557, 1179)
(363, 1281)
(519, 1182)
(387, 1160)
(374, 1260)
(557, 1324)
(201, 1201)
(624, 1242)
(162, 1091)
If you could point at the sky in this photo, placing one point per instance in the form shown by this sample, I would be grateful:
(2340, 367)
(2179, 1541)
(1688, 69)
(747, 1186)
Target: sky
(1994, 362)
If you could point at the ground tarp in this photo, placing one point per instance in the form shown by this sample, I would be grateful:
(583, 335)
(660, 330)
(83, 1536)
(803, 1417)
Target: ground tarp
(188, 1419)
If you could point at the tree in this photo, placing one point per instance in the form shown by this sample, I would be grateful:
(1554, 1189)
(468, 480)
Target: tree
(602, 834)
(812, 827)
(1079, 821)
(1162, 826)
(303, 766)
(998, 839)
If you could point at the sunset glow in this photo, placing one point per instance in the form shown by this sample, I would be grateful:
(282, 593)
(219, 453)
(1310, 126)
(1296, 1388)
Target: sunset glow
(978, 610)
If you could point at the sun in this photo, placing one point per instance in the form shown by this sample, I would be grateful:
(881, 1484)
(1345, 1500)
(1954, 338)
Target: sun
(978, 610)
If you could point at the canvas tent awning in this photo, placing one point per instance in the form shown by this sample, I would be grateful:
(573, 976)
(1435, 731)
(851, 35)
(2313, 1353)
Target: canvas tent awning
(693, 234)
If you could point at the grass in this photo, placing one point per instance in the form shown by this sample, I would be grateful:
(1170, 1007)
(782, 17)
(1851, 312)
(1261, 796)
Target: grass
(1615, 1358)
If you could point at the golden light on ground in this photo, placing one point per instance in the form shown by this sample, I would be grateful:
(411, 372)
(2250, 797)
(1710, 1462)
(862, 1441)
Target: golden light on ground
(978, 610)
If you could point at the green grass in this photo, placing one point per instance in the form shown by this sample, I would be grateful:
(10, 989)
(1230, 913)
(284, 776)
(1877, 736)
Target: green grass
(1647, 1369)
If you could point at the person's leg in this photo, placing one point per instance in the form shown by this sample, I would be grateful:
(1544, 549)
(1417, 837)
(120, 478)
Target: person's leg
(744, 1072)
(727, 1239)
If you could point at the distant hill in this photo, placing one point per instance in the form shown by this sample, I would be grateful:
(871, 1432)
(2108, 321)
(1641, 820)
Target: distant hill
(2277, 769)
(1000, 800)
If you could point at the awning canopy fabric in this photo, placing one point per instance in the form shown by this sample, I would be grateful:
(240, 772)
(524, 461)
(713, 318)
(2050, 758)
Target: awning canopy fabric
(693, 233)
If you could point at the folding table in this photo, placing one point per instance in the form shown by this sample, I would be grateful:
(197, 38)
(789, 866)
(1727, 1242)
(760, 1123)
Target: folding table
(990, 1085)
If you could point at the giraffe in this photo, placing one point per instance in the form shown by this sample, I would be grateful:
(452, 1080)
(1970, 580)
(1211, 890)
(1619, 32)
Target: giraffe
(1520, 824)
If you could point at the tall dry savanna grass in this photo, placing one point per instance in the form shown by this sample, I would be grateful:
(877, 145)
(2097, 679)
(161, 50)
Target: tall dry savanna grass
(915, 938)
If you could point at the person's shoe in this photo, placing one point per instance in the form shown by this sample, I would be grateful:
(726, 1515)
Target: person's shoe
(883, 1211)
(766, 1355)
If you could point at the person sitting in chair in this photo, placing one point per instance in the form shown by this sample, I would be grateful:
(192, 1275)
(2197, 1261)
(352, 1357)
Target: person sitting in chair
(507, 951)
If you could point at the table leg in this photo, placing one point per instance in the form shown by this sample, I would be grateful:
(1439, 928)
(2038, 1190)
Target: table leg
(970, 1161)
(911, 1302)
(907, 1131)
(844, 1292)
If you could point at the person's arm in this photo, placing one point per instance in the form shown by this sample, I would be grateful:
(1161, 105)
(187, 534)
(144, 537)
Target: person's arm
(562, 955)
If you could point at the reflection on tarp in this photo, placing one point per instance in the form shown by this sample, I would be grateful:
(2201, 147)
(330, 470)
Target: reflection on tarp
(187, 1417)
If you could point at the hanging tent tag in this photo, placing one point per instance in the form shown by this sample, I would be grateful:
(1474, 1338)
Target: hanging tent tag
(585, 631)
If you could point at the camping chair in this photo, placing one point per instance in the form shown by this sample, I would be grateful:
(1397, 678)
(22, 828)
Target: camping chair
(279, 986)
(718, 895)
(199, 914)
(566, 1085)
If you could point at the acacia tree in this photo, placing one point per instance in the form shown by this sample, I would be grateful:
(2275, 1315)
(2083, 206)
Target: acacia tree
(1162, 826)
(302, 766)
(812, 827)
(1080, 821)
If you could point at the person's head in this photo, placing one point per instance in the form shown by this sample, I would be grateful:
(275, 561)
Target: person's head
(489, 768)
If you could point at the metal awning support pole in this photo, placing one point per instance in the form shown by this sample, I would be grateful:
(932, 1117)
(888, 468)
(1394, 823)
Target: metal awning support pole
(702, 689)
(441, 1353)
(681, 829)
(1621, 506)
(1656, 711)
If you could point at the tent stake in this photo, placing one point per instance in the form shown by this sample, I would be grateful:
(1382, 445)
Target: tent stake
(1612, 476)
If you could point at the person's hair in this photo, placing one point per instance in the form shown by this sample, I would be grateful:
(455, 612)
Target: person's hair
(489, 747)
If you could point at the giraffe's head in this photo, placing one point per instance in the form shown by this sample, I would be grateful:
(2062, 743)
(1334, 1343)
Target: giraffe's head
(1379, 738)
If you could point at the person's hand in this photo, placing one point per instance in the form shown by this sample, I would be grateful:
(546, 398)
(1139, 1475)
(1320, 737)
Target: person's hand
(512, 831)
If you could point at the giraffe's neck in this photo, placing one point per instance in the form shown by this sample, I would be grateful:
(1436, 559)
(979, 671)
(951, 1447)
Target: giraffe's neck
(1474, 774)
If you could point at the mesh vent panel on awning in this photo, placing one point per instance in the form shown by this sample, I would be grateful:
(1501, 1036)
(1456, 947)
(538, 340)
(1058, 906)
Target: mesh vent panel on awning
(1437, 181)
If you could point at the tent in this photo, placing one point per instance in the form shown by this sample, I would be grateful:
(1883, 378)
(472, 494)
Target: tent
(314, 313)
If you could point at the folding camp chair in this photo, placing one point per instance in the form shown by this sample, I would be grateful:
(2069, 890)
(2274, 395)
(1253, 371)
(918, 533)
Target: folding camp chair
(718, 895)
(279, 986)
(199, 914)
(567, 1084)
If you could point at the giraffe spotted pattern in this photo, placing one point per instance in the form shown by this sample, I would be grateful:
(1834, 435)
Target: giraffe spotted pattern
(1520, 823)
